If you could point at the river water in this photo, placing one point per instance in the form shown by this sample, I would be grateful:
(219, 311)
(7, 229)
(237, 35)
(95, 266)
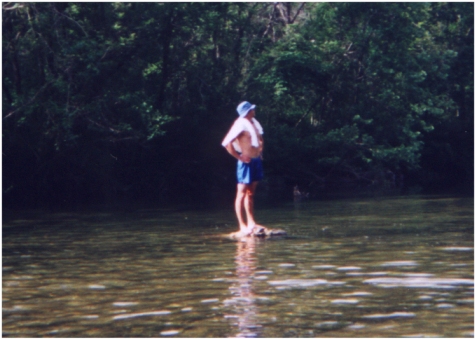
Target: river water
(388, 267)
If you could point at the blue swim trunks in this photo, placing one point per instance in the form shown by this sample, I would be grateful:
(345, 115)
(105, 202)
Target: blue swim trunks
(250, 172)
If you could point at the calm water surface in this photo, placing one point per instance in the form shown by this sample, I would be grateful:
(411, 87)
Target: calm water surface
(392, 267)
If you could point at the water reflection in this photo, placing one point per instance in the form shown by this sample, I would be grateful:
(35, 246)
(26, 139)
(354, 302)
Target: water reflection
(243, 300)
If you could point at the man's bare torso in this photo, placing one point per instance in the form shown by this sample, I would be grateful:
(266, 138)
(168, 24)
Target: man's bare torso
(244, 140)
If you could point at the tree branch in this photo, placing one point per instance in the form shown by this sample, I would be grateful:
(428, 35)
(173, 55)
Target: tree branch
(29, 101)
(298, 12)
(306, 113)
(67, 17)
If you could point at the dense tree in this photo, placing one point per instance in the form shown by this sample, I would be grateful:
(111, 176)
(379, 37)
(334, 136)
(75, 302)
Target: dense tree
(369, 80)
(104, 101)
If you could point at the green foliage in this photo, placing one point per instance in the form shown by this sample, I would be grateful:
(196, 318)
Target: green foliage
(132, 99)
(371, 69)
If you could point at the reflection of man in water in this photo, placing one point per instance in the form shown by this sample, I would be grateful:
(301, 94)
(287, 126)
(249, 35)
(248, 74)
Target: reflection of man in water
(243, 299)
(244, 142)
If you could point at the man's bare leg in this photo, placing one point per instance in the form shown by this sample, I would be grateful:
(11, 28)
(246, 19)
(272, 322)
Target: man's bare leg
(238, 206)
(249, 206)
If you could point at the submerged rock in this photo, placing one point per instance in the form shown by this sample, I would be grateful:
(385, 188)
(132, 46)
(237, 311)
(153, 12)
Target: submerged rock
(259, 232)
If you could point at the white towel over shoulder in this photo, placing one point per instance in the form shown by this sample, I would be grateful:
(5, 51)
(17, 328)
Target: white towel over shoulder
(240, 125)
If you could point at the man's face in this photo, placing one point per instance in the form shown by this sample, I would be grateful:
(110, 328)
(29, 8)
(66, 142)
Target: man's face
(251, 114)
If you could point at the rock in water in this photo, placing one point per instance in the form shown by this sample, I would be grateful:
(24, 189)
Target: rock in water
(260, 232)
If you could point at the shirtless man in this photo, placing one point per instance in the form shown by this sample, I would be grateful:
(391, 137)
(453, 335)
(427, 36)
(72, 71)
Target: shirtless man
(244, 142)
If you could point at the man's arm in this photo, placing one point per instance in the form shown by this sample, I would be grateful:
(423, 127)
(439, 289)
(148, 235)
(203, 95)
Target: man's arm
(232, 151)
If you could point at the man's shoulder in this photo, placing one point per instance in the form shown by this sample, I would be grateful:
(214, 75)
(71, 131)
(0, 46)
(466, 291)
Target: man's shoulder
(237, 121)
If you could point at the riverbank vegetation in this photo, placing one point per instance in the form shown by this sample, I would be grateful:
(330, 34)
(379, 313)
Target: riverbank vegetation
(116, 102)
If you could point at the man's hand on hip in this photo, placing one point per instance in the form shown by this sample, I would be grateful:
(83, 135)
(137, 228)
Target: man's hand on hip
(245, 158)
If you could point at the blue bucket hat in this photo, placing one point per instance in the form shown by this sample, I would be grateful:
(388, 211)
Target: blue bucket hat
(244, 107)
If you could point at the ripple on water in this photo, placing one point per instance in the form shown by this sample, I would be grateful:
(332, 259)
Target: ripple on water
(143, 314)
(389, 315)
(345, 301)
(418, 275)
(91, 316)
(260, 277)
(209, 301)
(399, 263)
(357, 294)
(286, 265)
(356, 326)
(445, 305)
(419, 282)
(349, 268)
(458, 249)
(300, 283)
(169, 332)
(264, 272)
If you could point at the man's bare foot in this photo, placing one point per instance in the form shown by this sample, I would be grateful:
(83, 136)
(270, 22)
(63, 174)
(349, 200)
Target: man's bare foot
(255, 228)
(244, 231)
(250, 228)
